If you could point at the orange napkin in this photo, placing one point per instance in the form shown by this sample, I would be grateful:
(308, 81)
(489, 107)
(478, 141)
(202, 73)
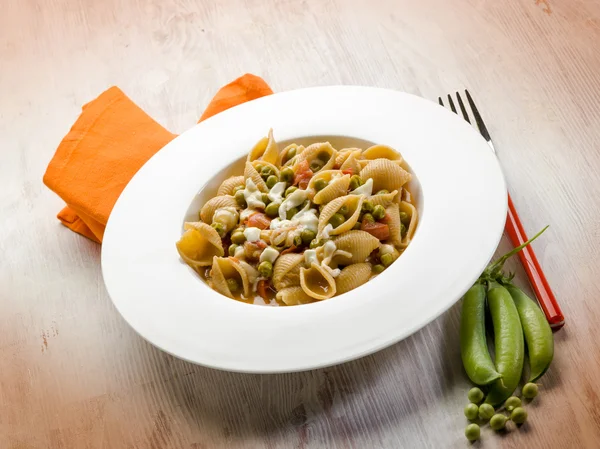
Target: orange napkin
(109, 143)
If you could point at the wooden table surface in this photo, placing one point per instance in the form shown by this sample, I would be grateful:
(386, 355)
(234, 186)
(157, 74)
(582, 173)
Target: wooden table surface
(72, 372)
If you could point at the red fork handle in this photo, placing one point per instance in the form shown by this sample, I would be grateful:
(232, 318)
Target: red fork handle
(540, 285)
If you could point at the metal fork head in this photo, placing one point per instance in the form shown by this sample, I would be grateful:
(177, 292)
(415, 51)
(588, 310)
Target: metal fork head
(478, 120)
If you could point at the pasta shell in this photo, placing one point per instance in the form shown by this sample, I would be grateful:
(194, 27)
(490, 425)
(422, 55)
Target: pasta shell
(227, 186)
(250, 172)
(199, 244)
(358, 243)
(313, 151)
(224, 268)
(412, 226)
(335, 188)
(208, 210)
(286, 272)
(352, 202)
(317, 282)
(351, 163)
(265, 150)
(393, 214)
(345, 154)
(353, 276)
(293, 296)
(381, 152)
(283, 154)
(385, 174)
(384, 199)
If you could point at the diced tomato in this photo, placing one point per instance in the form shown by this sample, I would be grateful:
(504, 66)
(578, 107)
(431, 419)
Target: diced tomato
(261, 244)
(379, 230)
(288, 250)
(302, 175)
(259, 220)
(348, 171)
(386, 218)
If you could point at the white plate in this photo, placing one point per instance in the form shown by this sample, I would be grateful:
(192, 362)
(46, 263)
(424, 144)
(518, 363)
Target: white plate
(461, 199)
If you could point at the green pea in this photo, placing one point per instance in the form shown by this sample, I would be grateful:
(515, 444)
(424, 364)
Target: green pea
(537, 333)
(472, 432)
(267, 171)
(471, 411)
(307, 236)
(337, 220)
(220, 229)
(232, 249)
(258, 168)
(404, 218)
(290, 190)
(368, 218)
(237, 189)
(343, 210)
(297, 240)
(315, 243)
(355, 182)
(367, 206)
(323, 155)
(356, 226)
(473, 345)
(512, 403)
(287, 175)
(486, 411)
(529, 390)
(402, 230)
(265, 269)
(265, 199)
(387, 260)
(508, 338)
(378, 212)
(475, 395)
(320, 184)
(239, 198)
(238, 237)
(518, 415)
(378, 268)
(316, 165)
(233, 285)
(383, 192)
(290, 213)
(272, 210)
(290, 153)
(498, 421)
(271, 181)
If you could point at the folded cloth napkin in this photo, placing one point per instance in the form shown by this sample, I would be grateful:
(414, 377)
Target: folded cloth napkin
(109, 143)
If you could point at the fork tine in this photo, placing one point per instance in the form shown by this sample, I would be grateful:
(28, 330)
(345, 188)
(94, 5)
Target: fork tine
(440, 101)
(451, 104)
(482, 128)
(462, 108)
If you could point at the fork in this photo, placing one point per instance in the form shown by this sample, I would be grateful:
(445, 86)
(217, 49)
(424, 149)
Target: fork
(514, 228)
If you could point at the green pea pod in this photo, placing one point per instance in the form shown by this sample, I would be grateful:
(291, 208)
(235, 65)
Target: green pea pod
(473, 346)
(508, 339)
(537, 332)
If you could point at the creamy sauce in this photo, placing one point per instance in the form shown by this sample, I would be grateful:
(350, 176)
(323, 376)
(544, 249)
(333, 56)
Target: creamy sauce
(295, 199)
(326, 231)
(253, 196)
(365, 189)
(276, 192)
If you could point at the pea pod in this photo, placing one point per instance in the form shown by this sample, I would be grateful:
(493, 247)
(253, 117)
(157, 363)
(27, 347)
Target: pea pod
(508, 339)
(473, 346)
(537, 332)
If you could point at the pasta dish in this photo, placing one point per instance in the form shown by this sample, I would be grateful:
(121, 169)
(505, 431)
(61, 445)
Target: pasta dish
(302, 224)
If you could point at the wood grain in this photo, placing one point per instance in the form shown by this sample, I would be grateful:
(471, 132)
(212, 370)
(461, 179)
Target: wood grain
(74, 375)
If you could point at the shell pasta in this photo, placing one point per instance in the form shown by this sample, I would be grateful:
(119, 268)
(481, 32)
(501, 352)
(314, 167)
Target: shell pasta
(302, 224)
